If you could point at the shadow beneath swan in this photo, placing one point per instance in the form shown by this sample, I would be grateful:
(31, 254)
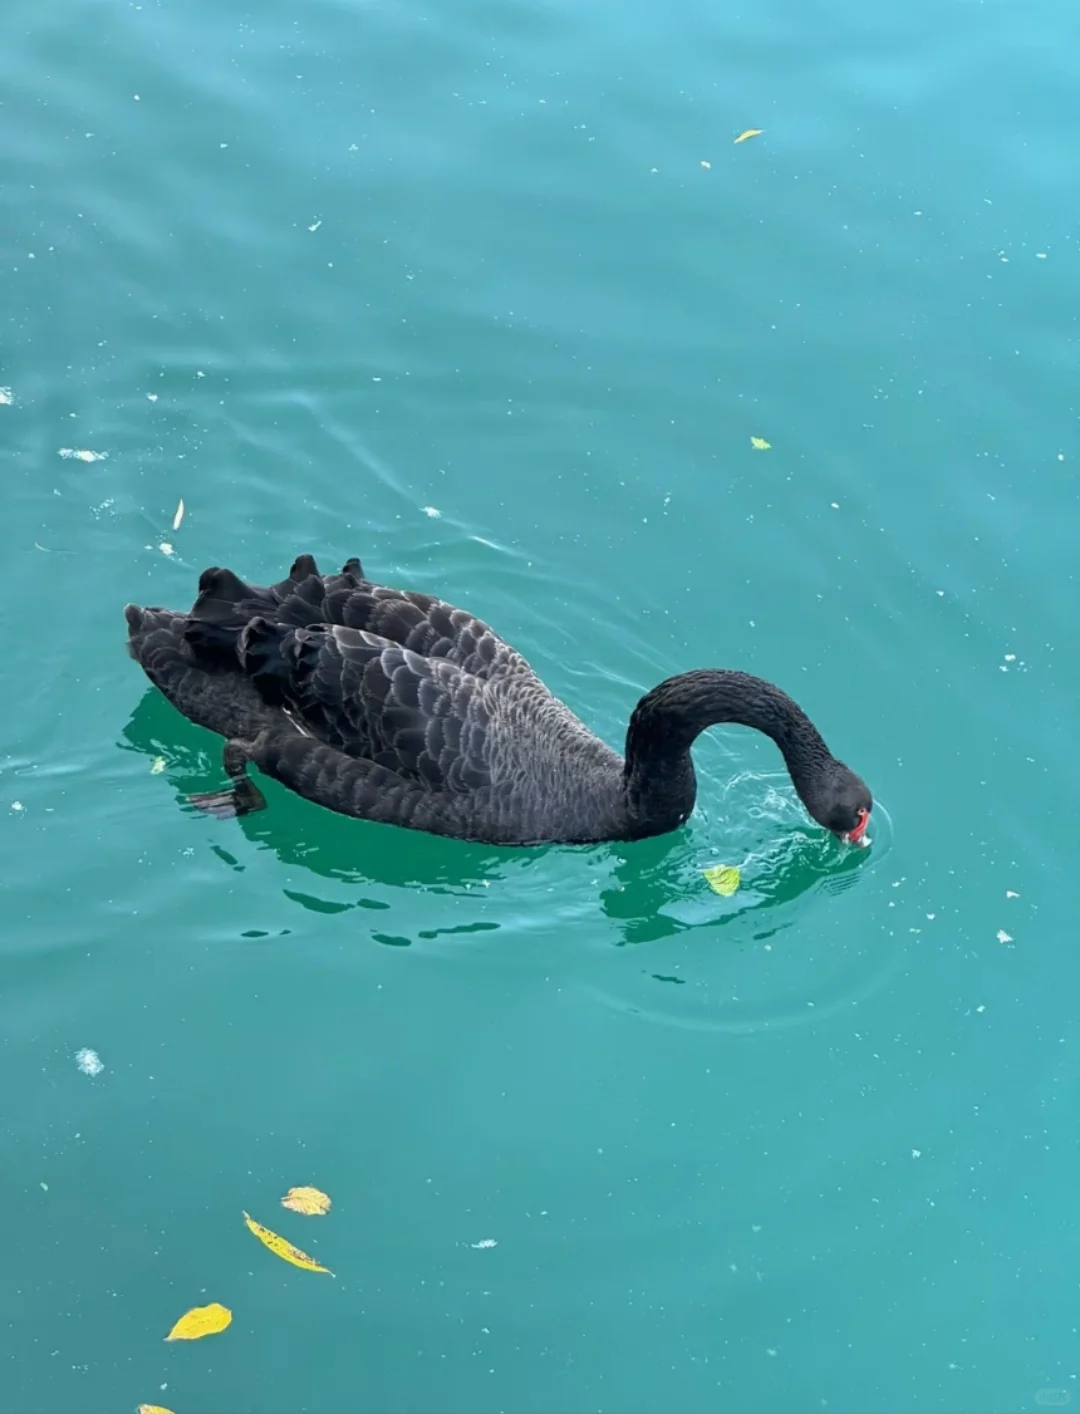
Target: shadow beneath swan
(653, 889)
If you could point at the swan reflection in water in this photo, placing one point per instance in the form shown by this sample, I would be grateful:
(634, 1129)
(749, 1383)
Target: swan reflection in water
(650, 890)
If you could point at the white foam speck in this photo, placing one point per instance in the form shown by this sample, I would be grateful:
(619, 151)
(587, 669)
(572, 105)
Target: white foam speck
(88, 1061)
(1003, 937)
(6, 398)
(165, 548)
(433, 512)
(484, 1242)
(82, 454)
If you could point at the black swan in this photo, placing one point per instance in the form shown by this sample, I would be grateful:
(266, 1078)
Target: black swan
(397, 707)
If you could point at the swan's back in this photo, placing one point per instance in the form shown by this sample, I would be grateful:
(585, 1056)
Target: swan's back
(422, 623)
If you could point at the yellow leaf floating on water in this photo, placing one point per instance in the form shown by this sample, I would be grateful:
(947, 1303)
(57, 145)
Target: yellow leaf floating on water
(200, 1321)
(750, 132)
(759, 444)
(285, 1250)
(307, 1200)
(722, 879)
(153, 1409)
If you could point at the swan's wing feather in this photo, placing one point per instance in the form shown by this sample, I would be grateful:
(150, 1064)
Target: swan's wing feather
(419, 622)
(424, 625)
(420, 717)
(225, 599)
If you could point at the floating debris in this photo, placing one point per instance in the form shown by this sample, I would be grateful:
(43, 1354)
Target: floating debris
(82, 454)
(310, 1201)
(88, 1061)
(200, 1321)
(723, 879)
(285, 1250)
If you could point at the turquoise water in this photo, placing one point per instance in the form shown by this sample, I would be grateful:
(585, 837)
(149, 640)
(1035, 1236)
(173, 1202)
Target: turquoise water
(455, 290)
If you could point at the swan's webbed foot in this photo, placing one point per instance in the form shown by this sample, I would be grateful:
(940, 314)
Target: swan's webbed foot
(244, 797)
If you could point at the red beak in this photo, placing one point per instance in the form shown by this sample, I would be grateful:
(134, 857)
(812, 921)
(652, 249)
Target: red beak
(855, 835)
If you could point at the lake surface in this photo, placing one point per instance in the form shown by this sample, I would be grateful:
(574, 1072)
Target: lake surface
(488, 295)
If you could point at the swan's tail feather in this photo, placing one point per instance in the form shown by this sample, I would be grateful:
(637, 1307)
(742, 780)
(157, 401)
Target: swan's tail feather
(261, 650)
(220, 592)
(304, 605)
(303, 567)
(212, 640)
(226, 603)
(134, 616)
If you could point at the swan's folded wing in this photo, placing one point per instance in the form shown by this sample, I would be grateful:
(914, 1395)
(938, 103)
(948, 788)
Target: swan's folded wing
(419, 622)
(420, 717)
(424, 625)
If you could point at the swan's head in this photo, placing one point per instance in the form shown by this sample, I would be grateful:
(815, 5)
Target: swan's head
(842, 803)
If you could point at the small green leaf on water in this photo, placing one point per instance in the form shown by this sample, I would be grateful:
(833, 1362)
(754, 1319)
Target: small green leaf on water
(722, 879)
(759, 444)
(158, 766)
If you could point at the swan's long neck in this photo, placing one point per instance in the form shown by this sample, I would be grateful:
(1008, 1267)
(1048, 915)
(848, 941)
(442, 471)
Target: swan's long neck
(659, 774)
